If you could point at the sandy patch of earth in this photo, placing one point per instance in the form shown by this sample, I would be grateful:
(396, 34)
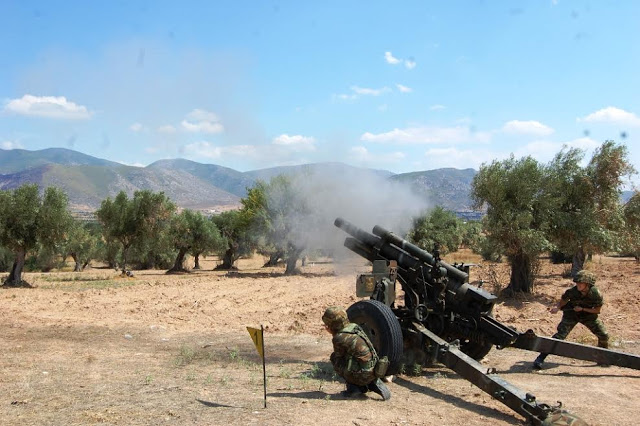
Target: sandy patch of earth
(93, 348)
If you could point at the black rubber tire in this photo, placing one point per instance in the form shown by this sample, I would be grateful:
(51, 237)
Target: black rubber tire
(475, 350)
(383, 329)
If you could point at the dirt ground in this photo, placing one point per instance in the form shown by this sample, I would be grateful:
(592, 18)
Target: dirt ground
(94, 348)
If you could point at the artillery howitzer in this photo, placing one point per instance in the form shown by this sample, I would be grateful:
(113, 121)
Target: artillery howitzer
(445, 319)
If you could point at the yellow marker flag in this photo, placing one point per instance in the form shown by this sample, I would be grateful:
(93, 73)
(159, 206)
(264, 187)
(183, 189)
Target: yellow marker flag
(256, 336)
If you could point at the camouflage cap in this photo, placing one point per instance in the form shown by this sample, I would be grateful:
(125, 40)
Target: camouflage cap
(335, 318)
(585, 277)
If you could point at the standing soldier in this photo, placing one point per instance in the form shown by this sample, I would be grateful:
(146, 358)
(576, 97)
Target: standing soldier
(580, 304)
(354, 358)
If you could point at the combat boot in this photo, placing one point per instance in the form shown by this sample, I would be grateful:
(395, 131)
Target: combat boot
(537, 363)
(354, 391)
(380, 388)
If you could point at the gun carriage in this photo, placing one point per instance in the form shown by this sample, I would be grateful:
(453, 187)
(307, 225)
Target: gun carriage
(444, 318)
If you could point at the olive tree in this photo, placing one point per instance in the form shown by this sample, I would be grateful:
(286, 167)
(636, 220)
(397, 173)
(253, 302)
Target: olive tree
(190, 230)
(585, 211)
(135, 220)
(517, 214)
(439, 227)
(81, 245)
(631, 236)
(236, 237)
(280, 214)
(28, 220)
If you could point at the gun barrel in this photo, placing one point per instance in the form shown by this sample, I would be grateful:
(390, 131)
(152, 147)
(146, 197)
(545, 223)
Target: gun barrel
(423, 255)
(372, 247)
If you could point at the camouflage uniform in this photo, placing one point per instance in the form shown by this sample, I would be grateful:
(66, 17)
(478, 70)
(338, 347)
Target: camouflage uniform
(570, 318)
(353, 357)
(573, 298)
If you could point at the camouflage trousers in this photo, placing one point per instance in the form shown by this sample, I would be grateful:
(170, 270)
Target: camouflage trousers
(347, 369)
(571, 318)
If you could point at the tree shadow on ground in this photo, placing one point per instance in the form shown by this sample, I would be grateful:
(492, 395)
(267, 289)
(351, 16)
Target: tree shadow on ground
(237, 274)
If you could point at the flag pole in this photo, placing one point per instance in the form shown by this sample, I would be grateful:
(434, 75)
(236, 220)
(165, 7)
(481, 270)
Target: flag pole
(264, 369)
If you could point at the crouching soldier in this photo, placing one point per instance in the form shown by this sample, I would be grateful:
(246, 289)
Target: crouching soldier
(354, 358)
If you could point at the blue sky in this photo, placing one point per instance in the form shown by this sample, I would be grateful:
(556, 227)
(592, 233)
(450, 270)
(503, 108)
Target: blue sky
(402, 86)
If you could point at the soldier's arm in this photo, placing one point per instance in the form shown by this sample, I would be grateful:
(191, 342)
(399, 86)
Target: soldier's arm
(595, 310)
(559, 305)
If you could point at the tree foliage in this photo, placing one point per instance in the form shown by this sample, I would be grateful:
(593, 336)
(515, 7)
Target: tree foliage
(28, 220)
(439, 227)
(585, 211)
(631, 235)
(191, 231)
(279, 214)
(81, 244)
(517, 214)
(236, 237)
(138, 220)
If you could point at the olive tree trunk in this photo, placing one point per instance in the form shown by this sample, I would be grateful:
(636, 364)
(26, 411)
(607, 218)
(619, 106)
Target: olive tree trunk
(15, 276)
(228, 260)
(577, 263)
(178, 265)
(521, 273)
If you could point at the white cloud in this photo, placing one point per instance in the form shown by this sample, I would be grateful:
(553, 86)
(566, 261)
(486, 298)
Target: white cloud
(404, 89)
(428, 135)
(583, 143)
(530, 127)
(136, 127)
(296, 142)
(11, 145)
(201, 121)
(131, 164)
(408, 63)
(47, 106)
(454, 157)
(345, 97)
(612, 115)
(361, 154)
(390, 59)
(168, 129)
(202, 127)
(437, 107)
(208, 150)
(202, 115)
(371, 92)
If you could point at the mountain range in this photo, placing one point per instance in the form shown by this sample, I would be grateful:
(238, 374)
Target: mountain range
(88, 180)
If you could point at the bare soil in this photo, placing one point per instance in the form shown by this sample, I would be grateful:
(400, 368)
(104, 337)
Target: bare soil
(95, 348)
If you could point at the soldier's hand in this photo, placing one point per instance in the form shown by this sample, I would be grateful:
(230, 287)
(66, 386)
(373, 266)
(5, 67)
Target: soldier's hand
(554, 310)
(578, 309)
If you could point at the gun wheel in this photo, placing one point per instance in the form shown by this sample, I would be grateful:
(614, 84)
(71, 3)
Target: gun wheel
(383, 329)
(476, 350)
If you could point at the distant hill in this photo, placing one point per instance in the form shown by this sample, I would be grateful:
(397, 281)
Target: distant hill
(88, 180)
(16, 160)
(227, 179)
(334, 169)
(445, 187)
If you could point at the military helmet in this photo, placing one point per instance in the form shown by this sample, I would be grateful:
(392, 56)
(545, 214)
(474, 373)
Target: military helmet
(585, 277)
(335, 318)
